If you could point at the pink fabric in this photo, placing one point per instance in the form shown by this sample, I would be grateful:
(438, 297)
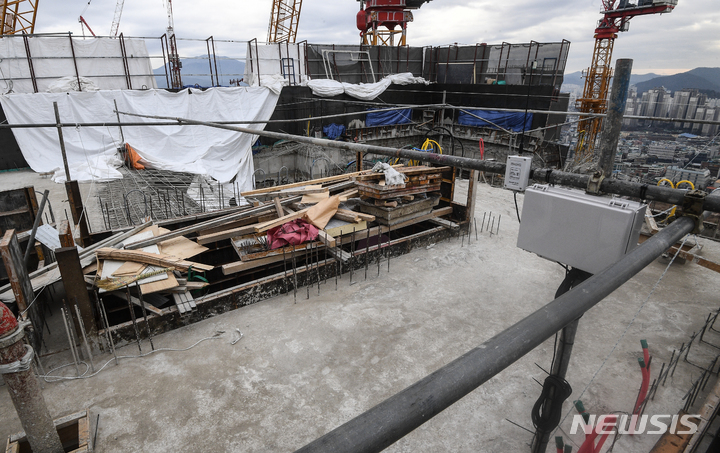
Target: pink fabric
(295, 232)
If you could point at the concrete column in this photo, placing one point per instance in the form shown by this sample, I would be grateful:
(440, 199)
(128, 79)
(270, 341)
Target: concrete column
(613, 122)
(24, 389)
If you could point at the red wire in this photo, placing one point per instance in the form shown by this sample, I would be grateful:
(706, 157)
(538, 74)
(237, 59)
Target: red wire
(482, 149)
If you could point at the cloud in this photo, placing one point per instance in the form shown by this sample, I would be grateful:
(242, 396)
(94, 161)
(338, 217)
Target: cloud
(685, 39)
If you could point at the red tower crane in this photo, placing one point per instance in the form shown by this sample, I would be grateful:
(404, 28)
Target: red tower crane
(381, 21)
(616, 18)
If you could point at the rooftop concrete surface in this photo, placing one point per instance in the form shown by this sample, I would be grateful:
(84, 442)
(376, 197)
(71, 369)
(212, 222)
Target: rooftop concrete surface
(303, 369)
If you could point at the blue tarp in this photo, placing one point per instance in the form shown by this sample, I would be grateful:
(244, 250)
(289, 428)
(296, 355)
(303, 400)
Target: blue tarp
(507, 120)
(374, 119)
(333, 131)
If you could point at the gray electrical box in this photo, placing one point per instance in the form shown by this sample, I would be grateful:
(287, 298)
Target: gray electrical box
(583, 231)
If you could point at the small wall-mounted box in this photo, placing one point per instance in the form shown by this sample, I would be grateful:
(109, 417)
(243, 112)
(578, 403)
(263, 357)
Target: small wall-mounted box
(583, 231)
(517, 172)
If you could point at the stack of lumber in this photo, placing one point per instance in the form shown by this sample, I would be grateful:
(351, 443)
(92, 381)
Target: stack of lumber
(275, 206)
(395, 204)
(162, 268)
(419, 180)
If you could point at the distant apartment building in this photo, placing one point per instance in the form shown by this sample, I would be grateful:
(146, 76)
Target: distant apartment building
(700, 178)
(695, 101)
(663, 151)
(711, 114)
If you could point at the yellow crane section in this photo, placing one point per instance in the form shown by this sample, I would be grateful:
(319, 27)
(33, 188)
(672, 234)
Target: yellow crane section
(18, 16)
(284, 19)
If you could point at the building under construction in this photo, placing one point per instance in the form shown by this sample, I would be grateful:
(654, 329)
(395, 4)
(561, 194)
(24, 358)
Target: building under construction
(358, 247)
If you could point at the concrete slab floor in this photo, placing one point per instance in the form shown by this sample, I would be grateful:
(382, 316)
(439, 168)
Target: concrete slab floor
(303, 369)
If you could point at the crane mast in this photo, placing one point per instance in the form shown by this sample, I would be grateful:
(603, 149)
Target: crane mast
(284, 20)
(18, 16)
(174, 58)
(116, 18)
(616, 17)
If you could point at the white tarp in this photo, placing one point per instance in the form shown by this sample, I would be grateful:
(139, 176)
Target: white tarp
(98, 59)
(364, 91)
(274, 65)
(92, 151)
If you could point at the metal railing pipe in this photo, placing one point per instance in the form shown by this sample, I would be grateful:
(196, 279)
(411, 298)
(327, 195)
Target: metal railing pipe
(389, 421)
(612, 186)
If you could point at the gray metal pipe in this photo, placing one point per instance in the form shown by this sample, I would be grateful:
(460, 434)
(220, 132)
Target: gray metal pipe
(613, 186)
(389, 421)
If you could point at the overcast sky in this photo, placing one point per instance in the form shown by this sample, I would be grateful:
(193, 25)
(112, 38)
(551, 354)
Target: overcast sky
(687, 38)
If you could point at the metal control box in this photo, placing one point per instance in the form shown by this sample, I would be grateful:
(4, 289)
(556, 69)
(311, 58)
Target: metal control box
(583, 231)
(517, 172)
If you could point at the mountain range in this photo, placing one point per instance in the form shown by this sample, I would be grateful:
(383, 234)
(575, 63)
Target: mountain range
(196, 71)
(704, 79)
(575, 78)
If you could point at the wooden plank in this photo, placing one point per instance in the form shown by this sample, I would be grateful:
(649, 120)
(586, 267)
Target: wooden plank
(300, 184)
(305, 183)
(17, 273)
(361, 215)
(395, 193)
(209, 224)
(240, 266)
(278, 207)
(229, 234)
(66, 234)
(326, 239)
(155, 259)
(309, 190)
(161, 285)
(263, 227)
(347, 216)
(695, 259)
(179, 247)
(231, 225)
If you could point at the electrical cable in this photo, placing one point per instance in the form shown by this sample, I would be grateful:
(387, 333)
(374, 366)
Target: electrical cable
(517, 210)
(555, 391)
(50, 378)
(632, 321)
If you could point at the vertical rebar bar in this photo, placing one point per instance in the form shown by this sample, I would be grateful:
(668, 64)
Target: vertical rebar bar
(482, 227)
(388, 246)
(144, 312)
(132, 316)
(285, 271)
(86, 344)
(71, 340)
(475, 222)
(294, 266)
(352, 255)
(317, 266)
(367, 250)
(498, 227)
(106, 322)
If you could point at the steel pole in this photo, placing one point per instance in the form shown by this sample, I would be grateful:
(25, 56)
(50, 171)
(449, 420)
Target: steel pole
(24, 388)
(389, 421)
